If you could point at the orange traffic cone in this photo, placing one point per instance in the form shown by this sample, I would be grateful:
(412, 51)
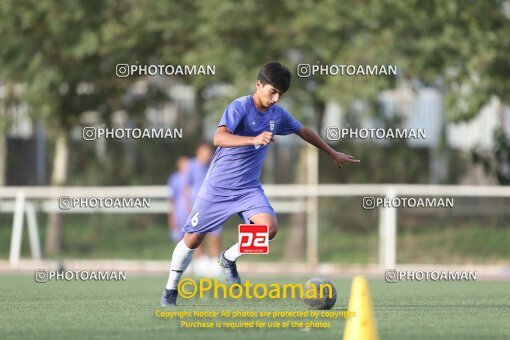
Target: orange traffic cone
(362, 326)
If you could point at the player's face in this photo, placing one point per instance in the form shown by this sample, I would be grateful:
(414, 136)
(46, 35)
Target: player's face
(267, 94)
(182, 164)
(204, 154)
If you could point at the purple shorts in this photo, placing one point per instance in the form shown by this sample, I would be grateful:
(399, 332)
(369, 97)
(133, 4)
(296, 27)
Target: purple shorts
(211, 211)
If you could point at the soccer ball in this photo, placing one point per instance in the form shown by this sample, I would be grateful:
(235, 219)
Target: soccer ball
(324, 302)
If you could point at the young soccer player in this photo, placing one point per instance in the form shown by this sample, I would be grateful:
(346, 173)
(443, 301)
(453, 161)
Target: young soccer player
(180, 205)
(232, 183)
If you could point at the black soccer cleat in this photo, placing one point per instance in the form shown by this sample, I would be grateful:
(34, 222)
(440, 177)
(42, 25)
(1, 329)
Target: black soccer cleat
(169, 298)
(230, 269)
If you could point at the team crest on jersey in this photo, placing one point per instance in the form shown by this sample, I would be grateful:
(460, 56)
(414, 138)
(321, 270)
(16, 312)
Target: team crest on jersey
(271, 125)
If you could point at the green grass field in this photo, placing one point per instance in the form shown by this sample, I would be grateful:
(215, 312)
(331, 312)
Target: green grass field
(125, 310)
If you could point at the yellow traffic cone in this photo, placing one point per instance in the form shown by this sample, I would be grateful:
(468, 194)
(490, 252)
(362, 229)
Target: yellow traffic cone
(362, 326)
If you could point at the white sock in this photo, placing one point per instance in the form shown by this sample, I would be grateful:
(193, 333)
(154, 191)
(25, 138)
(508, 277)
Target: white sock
(232, 253)
(180, 260)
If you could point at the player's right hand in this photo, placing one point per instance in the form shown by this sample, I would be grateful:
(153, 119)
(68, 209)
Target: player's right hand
(339, 158)
(263, 139)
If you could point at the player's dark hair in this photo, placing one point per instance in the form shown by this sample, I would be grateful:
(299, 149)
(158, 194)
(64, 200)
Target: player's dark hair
(275, 74)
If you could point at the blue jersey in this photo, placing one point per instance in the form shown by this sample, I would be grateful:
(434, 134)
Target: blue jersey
(236, 170)
(197, 173)
(178, 183)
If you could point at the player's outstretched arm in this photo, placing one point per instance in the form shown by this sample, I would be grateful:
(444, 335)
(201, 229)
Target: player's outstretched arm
(313, 138)
(225, 139)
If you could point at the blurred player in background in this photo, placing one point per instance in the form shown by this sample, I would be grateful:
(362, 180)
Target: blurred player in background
(180, 199)
(232, 184)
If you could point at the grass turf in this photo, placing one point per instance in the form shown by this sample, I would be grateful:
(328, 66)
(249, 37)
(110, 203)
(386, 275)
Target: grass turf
(125, 310)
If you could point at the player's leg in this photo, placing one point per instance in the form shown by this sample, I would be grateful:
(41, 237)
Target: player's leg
(181, 258)
(254, 208)
(206, 216)
(268, 219)
(232, 253)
